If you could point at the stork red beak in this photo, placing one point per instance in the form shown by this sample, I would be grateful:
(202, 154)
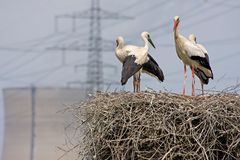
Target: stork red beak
(175, 25)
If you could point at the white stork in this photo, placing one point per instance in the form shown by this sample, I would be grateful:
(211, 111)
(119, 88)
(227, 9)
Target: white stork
(122, 54)
(135, 59)
(199, 73)
(190, 54)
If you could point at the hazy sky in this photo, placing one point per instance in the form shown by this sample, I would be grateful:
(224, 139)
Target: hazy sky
(27, 30)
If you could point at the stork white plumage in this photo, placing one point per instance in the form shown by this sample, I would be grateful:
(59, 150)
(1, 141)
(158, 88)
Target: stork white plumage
(190, 54)
(198, 72)
(135, 59)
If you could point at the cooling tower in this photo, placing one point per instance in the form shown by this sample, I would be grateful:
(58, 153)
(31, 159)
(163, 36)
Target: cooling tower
(50, 122)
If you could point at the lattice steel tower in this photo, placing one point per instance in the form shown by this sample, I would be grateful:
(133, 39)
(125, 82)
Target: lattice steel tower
(96, 44)
(95, 63)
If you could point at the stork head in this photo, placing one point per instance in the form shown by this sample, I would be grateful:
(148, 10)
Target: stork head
(119, 41)
(192, 38)
(146, 35)
(176, 20)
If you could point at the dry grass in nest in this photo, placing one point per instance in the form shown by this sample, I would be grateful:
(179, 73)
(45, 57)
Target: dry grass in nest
(150, 125)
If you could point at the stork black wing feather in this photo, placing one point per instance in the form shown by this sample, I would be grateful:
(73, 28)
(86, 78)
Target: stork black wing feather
(202, 60)
(129, 68)
(153, 68)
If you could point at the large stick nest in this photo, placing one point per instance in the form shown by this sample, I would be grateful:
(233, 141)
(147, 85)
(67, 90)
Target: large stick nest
(152, 125)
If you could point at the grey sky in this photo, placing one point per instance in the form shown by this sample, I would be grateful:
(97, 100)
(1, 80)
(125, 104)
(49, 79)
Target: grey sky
(25, 23)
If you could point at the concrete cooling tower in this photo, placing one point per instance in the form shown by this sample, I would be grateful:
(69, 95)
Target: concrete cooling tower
(37, 112)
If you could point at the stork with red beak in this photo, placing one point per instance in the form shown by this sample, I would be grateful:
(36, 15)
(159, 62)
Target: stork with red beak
(190, 54)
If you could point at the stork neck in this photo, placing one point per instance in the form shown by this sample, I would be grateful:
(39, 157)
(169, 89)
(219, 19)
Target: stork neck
(145, 43)
(176, 31)
(120, 45)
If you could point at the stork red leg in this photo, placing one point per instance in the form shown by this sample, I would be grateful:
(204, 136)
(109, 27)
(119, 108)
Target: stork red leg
(193, 82)
(185, 77)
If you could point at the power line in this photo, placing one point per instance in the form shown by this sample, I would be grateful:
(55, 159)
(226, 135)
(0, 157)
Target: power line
(187, 14)
(52, 35)
(133, 5)
(31, 49)
(30, 74)
(152, 8)
(15, 49)
(166, 24)
(225, 41)
(48, 74)
(45, 38)
(26, 52)
(208, 18)
(203, 20)
(15, 68)
(141, 12)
